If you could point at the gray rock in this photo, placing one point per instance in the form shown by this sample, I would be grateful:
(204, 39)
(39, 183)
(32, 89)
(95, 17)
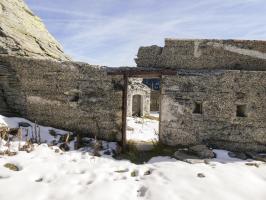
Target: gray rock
(257, 156)
(238, 155)
(186, 156)
(64, 147)
(200, 175)
(253, 164)
(23, 34)
(251, 154)
(12, 166)
(23, 124)
(202, 151)
(261, 157)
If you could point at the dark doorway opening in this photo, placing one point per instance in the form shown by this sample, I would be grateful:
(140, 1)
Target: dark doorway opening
(136, 106)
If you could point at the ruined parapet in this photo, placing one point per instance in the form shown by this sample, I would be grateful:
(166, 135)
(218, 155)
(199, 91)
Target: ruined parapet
(23, 34)
(205, 54)
(138, 96)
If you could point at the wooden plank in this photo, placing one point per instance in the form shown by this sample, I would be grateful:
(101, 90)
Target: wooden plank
(141, 72)
(124, 114)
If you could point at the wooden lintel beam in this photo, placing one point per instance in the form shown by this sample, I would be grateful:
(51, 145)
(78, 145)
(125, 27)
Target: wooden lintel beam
(142, 73)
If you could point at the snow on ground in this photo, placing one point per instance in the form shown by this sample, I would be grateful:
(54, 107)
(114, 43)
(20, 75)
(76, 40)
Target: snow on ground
(154, 114)
(12, 122)
(142, 129)
(47, 174)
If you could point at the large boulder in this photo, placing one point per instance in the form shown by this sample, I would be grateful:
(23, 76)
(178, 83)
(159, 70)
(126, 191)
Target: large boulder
(23, 34)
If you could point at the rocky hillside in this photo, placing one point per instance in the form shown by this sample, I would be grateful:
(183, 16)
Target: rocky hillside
(23, 34)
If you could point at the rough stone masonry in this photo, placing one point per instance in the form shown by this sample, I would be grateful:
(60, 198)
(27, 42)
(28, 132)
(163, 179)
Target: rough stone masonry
(38, 82)
(217, 95)
(68, 95)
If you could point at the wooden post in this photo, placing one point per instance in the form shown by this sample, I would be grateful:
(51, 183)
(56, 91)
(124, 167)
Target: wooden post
(124, 114)
(39, 134)
(78, 142)
(160, 107)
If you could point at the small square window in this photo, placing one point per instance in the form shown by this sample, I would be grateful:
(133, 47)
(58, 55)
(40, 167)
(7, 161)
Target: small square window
(197, 108)
(241, 110)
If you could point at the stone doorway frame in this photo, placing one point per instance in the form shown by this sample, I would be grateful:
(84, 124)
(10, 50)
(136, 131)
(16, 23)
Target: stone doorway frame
(137, 72)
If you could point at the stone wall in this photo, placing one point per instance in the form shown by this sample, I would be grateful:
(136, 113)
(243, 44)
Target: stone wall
(73, 96)
(200, 106)
(205, 54)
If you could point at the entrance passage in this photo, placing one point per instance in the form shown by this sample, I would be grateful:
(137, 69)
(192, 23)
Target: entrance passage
(142, 124)
(146, 127)
(136, 106)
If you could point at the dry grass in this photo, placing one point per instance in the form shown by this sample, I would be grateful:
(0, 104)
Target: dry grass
(140, 157)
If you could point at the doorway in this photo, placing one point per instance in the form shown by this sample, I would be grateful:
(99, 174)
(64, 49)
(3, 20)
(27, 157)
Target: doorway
(136, 105)
(142, 125)
(145, 74)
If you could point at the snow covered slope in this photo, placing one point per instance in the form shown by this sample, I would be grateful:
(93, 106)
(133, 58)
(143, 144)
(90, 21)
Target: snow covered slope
(48, 173)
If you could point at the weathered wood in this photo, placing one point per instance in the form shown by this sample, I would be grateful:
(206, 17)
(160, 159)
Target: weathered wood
(124, 114)
(140, 72)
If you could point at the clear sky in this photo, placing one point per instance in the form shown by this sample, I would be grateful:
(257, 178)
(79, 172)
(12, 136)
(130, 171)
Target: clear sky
(109, 32)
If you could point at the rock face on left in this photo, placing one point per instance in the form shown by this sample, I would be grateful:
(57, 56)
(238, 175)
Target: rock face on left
(23, 34)
(38, 82)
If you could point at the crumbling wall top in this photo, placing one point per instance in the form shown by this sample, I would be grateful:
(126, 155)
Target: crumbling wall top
(205, 54)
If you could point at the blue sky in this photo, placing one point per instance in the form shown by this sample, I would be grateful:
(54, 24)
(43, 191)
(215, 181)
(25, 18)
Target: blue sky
(109, 32)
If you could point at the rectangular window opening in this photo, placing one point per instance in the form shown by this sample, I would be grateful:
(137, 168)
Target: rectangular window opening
(241, 110)
(197, 108)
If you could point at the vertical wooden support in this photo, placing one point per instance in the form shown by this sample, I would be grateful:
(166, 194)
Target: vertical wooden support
(78, 142)
(124, 114)
(160, 107)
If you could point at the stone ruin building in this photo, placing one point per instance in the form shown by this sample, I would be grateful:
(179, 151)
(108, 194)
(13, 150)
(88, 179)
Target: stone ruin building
(212, 91)
(139, 96)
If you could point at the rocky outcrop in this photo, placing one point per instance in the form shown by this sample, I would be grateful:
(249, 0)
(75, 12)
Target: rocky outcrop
(23, 34)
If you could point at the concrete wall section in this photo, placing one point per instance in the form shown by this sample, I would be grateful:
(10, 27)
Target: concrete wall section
(220, 96)
(74, 96)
